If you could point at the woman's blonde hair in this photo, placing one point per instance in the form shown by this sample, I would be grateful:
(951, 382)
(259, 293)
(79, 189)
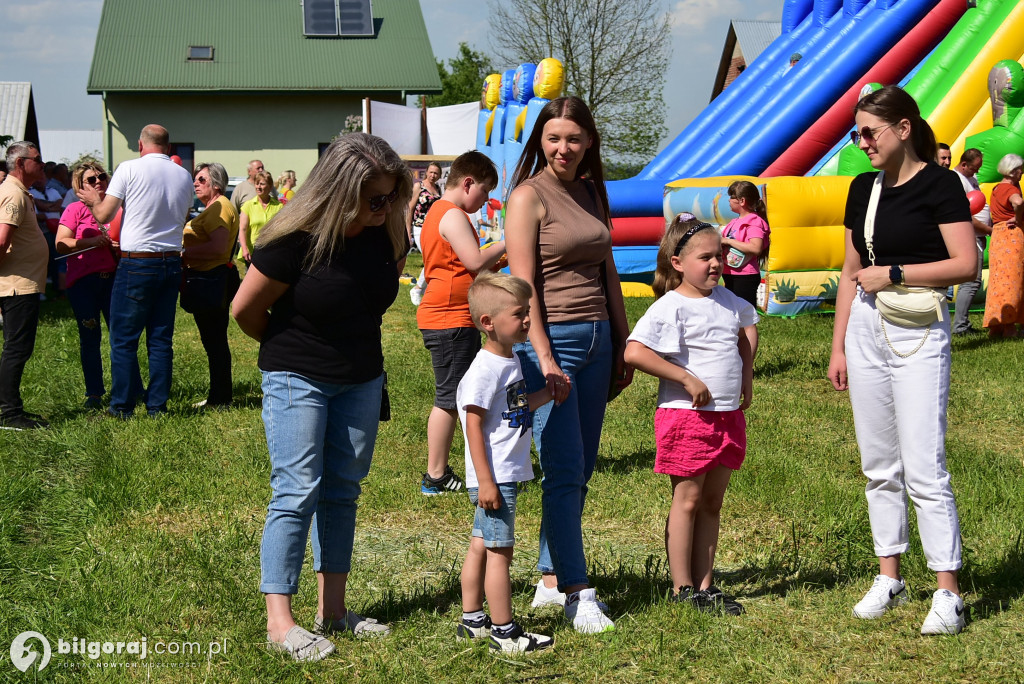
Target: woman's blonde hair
(286, 175)
(333, 194)
(79, 172)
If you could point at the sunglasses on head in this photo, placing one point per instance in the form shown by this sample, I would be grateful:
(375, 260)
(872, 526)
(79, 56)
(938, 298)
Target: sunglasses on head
(690, 232)
(869, 135)
(377, 202)
(93, 180)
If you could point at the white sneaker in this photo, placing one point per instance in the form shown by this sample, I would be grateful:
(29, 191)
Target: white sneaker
(586, 615)
(946, 615)
(519, 641)
(885, 593)
(547, 597)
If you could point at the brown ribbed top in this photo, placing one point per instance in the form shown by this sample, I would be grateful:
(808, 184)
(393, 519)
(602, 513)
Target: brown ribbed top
(572, 243)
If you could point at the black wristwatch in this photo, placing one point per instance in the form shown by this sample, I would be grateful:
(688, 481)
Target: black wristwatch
(896, 274)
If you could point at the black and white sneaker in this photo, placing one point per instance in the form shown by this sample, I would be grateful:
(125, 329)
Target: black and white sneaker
(713, 599)
(518, 641)
(23, 421)
(684, 595)
(469, 630)
(447, 483)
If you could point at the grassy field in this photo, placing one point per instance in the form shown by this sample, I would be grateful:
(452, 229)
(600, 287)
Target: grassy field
(114, 531)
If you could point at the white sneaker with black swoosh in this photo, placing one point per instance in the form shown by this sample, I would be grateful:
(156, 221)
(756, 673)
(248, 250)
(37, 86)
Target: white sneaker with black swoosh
(946, 615)
(885, 593)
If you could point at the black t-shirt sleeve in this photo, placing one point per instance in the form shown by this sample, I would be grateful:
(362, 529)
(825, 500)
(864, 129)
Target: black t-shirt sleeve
(949, 199)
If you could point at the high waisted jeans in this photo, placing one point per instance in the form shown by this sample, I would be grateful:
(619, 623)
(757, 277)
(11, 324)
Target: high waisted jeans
(567, 438)
(320, 437)
(899, 411)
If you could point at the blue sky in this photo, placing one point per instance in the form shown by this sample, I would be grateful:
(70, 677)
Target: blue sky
(50, 43)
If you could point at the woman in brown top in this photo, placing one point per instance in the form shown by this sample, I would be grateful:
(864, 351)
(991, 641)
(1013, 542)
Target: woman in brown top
(557, 237)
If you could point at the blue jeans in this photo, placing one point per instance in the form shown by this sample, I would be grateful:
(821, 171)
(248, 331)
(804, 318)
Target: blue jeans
(321, 438)
(90, 299)
(144, 298)
(567, 438)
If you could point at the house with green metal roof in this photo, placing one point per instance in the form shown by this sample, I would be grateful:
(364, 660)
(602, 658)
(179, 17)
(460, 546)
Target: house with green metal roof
(234, 80)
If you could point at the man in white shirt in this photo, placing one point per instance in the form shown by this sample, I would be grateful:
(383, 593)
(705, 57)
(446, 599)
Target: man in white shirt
(970, 162)
(156, 194)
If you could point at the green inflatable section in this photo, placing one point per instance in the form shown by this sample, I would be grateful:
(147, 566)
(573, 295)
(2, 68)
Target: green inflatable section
(938, 76)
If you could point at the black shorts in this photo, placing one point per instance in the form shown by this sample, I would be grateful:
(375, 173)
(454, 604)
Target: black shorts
(451, 352)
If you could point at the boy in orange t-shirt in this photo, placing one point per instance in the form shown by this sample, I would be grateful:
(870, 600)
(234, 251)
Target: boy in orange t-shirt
(451, 258)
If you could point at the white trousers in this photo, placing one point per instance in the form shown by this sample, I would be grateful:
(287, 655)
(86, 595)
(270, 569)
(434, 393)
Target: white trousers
(899, 412)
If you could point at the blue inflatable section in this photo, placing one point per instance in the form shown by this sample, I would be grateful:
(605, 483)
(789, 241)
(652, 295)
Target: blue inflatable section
(770, 104)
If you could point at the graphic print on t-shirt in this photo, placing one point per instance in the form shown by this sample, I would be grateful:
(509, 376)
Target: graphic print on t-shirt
(518, 414)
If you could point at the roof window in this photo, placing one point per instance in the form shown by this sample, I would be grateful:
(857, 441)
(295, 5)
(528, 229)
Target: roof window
(200, 53)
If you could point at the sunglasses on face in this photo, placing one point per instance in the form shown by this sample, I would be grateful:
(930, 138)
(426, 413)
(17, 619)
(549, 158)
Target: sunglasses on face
(377, 202)
(202, 180)
(93, 180)
(869, 135)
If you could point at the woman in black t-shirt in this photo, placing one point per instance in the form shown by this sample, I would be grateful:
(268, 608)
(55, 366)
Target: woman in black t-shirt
(898, 376)
(324, 270)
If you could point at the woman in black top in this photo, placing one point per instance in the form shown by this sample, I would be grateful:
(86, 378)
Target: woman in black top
(898, 376)
(324, 271)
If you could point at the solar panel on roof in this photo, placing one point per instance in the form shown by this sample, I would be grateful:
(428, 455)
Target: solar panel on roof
(319, 18)
(355, 18)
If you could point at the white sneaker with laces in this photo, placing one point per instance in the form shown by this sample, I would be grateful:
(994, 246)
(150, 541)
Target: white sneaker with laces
(547, 597)
(518, 641)
(885, 593)
(946, 615)
(586, 614)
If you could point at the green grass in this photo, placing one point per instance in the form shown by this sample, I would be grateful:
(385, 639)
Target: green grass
(117, 530)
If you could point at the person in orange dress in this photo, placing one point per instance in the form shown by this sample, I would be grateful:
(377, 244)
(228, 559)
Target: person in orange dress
(1004, 302)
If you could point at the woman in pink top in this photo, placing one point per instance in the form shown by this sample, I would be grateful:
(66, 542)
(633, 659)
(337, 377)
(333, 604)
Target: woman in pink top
(90, 276)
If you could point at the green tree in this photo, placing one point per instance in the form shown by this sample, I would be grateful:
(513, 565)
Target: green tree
(463, 80)
(615, 54)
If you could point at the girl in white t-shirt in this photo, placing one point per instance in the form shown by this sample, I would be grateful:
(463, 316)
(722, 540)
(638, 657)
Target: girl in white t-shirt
(696, 339)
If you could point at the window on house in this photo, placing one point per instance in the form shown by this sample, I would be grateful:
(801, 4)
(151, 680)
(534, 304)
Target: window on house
(200, 53)
(321, 18)
(187, 152)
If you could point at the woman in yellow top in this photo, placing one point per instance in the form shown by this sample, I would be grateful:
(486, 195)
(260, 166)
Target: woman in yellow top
(285, 187)
(255, 213)
(211, 280)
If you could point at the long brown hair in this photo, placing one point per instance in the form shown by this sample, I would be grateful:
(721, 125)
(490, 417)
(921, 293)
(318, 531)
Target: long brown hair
(533, 160)
(892, 104)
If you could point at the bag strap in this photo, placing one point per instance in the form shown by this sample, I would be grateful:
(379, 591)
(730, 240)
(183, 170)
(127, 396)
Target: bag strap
(869, 216)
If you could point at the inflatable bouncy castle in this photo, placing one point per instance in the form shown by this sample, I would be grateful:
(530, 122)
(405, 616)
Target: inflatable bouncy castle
(786, 129)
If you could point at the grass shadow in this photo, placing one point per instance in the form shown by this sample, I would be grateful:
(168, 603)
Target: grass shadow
(619, 464)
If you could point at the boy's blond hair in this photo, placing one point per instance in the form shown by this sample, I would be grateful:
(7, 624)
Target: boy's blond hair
(487, 294)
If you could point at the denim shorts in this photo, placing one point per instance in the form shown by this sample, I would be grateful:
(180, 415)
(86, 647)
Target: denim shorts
(496, 528)
(452, 350)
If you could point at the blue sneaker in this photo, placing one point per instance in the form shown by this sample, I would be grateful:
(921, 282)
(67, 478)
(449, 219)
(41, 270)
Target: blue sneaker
(447, 483)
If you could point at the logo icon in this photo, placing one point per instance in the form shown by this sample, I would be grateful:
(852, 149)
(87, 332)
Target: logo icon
(23, 656)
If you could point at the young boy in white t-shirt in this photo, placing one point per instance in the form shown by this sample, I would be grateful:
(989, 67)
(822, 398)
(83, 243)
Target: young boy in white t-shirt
(496, 415)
